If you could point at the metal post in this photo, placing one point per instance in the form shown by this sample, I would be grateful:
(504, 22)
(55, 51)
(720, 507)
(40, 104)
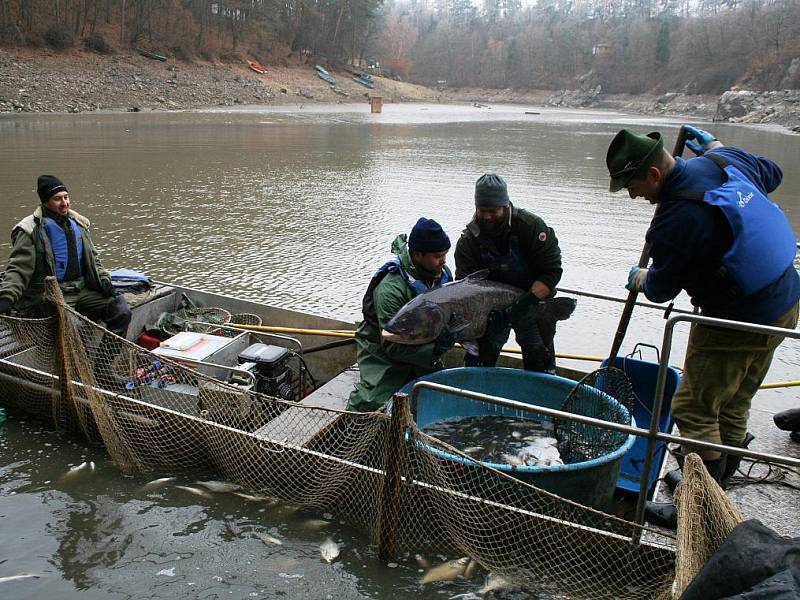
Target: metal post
(390, 494)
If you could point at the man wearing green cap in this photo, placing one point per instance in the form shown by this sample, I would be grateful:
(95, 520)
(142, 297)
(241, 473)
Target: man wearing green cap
(518, 248)
(717, 236)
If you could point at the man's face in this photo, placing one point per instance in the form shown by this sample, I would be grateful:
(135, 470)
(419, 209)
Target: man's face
(432, 262)
(58, 203)
(647, 186)
(490, 218)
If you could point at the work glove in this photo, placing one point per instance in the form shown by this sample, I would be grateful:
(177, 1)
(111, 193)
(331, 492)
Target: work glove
(107, 288)
(5, 306)
(521, 305)
(636, 278)
(443, 343)
(704, 139)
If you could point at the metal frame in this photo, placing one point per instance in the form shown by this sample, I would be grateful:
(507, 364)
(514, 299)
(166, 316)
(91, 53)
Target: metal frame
(652, 434)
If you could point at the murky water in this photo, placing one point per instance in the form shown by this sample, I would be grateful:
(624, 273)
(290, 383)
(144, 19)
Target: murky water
(296, 207)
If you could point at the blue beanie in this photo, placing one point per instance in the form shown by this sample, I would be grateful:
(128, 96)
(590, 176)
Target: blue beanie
(428, 236)
(491, 190)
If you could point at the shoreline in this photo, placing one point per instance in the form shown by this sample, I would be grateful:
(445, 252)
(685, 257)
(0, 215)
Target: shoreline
(43, 81)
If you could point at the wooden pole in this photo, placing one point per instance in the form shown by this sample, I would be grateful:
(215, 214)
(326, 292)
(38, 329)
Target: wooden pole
(62, 364)
(392, 481)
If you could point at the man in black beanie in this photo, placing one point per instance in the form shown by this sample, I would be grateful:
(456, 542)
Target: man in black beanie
(55, 241)
(518, 248)
(385, 367)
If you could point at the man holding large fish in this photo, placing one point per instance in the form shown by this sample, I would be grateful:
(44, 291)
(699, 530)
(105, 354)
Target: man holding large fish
(518, 249)
(418, 267)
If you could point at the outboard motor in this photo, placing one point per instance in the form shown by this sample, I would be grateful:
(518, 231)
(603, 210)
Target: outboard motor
(270, 365)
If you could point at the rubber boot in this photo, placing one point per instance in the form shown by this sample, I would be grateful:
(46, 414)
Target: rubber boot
(674, 477)
(795, 436)
(788, 420)
(732, 462)
(662, 514)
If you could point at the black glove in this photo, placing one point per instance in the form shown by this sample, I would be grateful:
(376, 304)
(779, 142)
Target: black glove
(521, 305)
(443, 343)
(5, 306)
(107, 288)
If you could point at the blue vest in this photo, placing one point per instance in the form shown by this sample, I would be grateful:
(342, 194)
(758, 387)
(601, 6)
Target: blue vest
(58, 242)
(396, 266)
(764, 244)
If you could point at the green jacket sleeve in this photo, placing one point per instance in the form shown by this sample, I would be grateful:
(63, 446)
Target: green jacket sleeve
(390, 296)
(20, 267)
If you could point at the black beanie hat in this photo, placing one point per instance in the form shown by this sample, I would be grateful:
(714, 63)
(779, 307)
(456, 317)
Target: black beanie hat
(428, 236)
(47, 185)
(491, 190)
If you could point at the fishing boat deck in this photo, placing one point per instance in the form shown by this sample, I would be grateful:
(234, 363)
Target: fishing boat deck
(770, 494)
(333, 395)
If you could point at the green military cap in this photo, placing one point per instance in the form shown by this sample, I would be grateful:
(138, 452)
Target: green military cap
(629, 154)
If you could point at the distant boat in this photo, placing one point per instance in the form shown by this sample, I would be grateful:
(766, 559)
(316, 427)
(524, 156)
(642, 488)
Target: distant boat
(257, 67)
(366, 82)
(153, 55)
(324, 75)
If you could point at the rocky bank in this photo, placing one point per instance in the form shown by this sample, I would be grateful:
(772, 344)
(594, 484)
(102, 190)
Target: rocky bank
(35, 80)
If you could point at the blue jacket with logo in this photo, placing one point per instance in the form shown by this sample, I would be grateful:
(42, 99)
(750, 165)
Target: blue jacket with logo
(690, 237)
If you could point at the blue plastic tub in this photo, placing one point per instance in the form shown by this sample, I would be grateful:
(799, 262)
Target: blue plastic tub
(643, 377)
(590, 482)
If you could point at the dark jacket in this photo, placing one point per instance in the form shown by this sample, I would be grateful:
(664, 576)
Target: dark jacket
(31, 260)
(689, 237)
(529, 234)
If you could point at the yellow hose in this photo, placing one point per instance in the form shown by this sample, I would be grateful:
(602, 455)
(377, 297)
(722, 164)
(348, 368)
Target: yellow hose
(343, 333)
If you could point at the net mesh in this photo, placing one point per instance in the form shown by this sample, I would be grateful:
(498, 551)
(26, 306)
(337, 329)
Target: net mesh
(375, 470)
(706, 516)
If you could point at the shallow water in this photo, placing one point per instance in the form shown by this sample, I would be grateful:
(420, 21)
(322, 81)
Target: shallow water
(295, 206)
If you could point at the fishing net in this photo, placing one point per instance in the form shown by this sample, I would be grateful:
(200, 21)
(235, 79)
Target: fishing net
(706, 517)
(188, 318)
(589, 397)
(377, 471)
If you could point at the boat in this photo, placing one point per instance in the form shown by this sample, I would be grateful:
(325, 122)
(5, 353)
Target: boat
(364, 80)
(257, 67)
(257, 393)
(323, 74)
(150, 54)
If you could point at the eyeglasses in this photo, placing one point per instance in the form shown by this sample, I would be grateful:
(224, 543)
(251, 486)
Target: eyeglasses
(628, 169)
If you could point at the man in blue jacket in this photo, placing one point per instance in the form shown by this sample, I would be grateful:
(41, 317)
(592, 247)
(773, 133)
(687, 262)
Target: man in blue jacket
(716, 235)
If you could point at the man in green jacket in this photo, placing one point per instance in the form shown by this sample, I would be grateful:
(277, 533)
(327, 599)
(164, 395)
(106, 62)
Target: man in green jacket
(385, 367)
(55, 241)
(518, 248)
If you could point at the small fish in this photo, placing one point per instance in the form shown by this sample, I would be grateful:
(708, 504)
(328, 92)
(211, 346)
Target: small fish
(493, 584)
(472, 566)
(18, 577)
(422, 561)
(195, 491)
(315, 523)
(447, 571)
(251, 497)
(512, 459)
(75, 472)
(329, 550)
(156, 483)
(267, 538)
(472, 449)
(219, 487)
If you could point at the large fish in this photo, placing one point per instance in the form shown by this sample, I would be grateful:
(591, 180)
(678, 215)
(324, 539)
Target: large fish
(463, 307)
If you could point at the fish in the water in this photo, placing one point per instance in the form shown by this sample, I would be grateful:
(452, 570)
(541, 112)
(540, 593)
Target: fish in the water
(251, 497)
(194, 491)
(76, 472)
(494, 583)
(18, 577)
(267, 538)
(447, 571)
(156, 483)
(463, 307)
(329, 550)
(315, 523)
(219, 487)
